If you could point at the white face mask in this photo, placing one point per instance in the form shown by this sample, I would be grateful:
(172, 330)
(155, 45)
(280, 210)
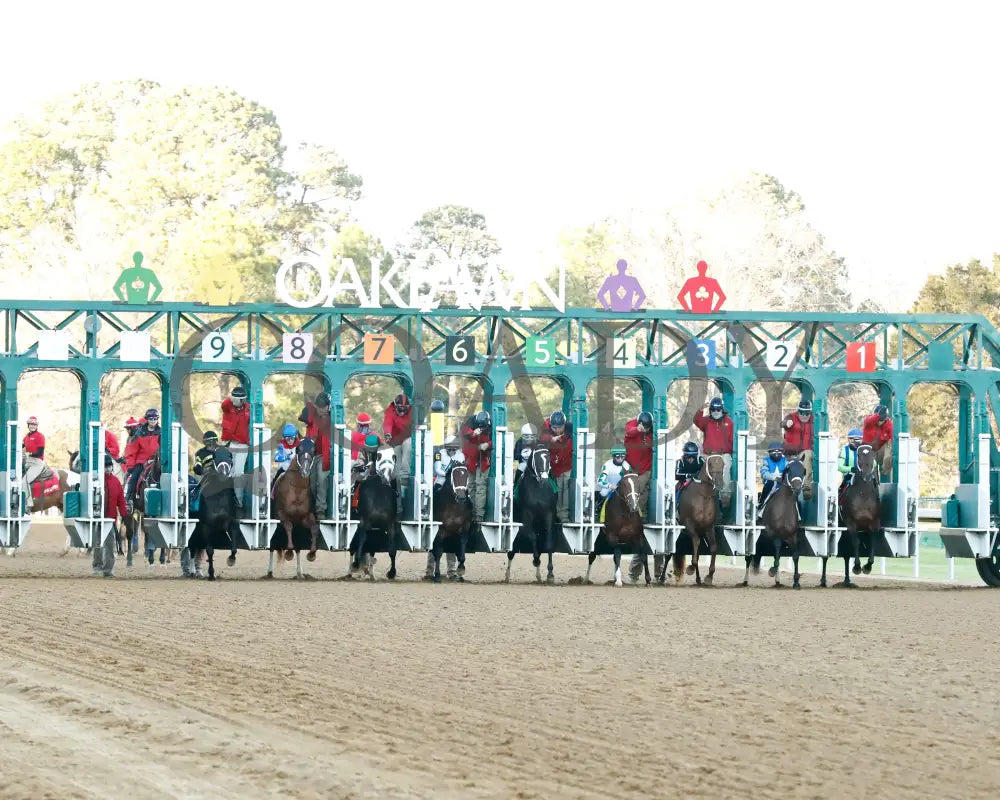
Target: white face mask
(716, 415)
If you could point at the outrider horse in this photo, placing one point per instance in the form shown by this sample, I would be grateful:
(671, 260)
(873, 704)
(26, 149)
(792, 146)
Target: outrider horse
(623, 527)
(782, 522)
(861, 512)
(536, 504)
(293, 505)
(453, 510)
(53, 484)
(218, 516)
(697, 511)
(376, 512)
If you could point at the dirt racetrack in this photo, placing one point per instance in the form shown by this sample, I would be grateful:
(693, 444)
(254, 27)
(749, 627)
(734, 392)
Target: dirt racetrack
(148, 686)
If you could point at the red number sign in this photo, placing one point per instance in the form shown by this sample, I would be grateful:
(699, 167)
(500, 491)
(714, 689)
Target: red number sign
(861, 357)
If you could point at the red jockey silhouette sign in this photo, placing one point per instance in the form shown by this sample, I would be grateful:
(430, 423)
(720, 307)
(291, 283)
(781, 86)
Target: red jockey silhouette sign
(701, 295)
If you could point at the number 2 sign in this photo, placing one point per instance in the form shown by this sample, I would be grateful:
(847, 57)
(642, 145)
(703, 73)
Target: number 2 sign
(780, 355)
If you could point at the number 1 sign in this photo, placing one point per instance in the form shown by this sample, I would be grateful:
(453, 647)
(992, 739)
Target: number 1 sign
(860, 357)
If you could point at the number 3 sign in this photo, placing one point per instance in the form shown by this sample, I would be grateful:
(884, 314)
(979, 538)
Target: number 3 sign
(296, 348)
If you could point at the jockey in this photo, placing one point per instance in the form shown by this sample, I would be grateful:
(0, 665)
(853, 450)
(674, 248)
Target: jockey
(397, 428)
(771, 471)
(557, 435)
(444, 459)
(141, 449)
(687, 468)
(359, 436)
(204, 455)
(34, 451)
(236, 430)
(849, 456)
(286, 450)
(523, 448)
(611, 474)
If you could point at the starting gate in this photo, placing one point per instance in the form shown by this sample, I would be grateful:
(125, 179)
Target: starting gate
(740, 534)
(14, 524)
(812, 351)
(899, 535)
(172, 524)
(338, 529)
(421, 528)
(662, 528)
(91, 527)
(820, 514)
(581, 529)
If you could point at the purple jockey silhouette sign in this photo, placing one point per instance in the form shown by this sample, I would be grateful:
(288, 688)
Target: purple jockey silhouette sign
(621, 292)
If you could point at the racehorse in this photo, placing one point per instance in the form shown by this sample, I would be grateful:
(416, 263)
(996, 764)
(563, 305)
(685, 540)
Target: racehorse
(622, 526)
(148, 478)
(453, 509)
(218, 516)
(781, 521)
(377, 512)
(537, 505)
(697, 510)
(52, 485)
(293, 505)
(861, 512)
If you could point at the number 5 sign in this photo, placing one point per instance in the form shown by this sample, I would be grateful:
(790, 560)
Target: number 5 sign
(539, 352)
(296, 348)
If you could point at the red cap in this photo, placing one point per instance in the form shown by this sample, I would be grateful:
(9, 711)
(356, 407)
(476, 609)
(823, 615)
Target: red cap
(131, 422)
(364, 419)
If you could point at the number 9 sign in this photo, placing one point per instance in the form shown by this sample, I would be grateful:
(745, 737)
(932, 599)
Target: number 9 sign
(217, 347)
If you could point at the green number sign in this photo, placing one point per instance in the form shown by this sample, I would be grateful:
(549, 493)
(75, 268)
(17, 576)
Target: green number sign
(540, 352)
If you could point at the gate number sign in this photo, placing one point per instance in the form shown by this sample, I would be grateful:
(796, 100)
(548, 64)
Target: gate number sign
(860, 357)
(621, 353)
(296, 348)
(460, 351)
(701, 353)
(379, 348)
(217, 347)
(780, 355)
(539, 352)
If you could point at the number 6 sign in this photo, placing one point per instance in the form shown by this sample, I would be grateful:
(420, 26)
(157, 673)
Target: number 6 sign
(296, 348)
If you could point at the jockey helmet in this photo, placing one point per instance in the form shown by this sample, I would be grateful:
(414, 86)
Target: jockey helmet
(33, 421)
(108, 461)
(716, 404)
(854, 437)
(646, 420)
(364, 422)
(371, 440)
(238, 393)
(690, 451)
(322, 400)
(402, 404)
(152, 415)
(209, 436)
(775, 449)
(618, 455)
(481, 420)
(289, 431)
(805, 407)
(451, 443)
(557, 420)
(528, 432)
(882, 411)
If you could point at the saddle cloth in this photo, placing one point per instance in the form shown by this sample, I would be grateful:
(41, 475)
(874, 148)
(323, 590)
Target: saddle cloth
(45, 485)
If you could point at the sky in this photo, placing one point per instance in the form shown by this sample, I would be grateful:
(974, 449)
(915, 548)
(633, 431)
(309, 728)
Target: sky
(543, 115)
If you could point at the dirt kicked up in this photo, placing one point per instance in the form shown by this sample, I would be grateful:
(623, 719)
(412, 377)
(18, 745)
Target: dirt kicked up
(149, 686)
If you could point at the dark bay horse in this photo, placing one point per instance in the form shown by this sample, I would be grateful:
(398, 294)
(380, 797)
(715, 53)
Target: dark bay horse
(293, 505)
(377, 512)
(697, 511)
(537, 506)
(861, 511)
(782, 522)
(453, 509)
(623, 527)
(148, 478)
(218, 515)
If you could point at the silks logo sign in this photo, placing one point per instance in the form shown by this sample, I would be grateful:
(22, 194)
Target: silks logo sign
(428, 286)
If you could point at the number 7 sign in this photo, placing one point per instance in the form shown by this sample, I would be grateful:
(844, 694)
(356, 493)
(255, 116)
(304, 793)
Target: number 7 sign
(861, 357)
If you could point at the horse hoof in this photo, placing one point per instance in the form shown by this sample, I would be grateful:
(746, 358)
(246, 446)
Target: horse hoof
(461, 569)
(550, 579)
(746, 583)
(822, 584)
(268, 577)
(778, 585)
(867, 569)
(427, 578)
(311, 556)
(796, 585)
(708, 581)
(289, 555)
(211, 577)
(772, 572)
(856, 569)
(231, 561)
(391, 574)
(436, 579)
(690, 570)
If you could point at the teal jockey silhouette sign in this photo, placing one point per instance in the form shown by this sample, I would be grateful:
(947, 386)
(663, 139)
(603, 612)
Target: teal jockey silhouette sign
(134, 284)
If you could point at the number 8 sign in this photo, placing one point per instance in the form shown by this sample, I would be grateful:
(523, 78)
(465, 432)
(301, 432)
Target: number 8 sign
(296, 348)
(217, 347)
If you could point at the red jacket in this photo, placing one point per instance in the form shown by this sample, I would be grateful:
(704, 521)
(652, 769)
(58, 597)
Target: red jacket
(397, 428)
(235, 422)
(475, 459)
(798, 434)
(718, 432)
(318, 429)
(561, 452)
(142, 447)
(875, 434)
(34, 444)
(111, 446)
(114, 498)
(357, 443)
(638, 447)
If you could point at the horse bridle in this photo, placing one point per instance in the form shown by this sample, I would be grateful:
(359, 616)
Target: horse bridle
(711, 480)
(857, 468)
(633, 496)
(451, 479)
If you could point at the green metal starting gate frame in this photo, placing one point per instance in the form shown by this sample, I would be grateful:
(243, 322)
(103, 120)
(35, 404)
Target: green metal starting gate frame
(814, 351)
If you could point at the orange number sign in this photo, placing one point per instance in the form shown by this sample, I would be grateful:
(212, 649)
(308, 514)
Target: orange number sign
(380, 348)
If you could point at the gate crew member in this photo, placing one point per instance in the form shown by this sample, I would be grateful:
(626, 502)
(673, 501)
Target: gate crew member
(34, 453)
(316, 416)
(142, 448)
(397, 429)
(477, 437)
(848, 457)
(639, 453)
(608, 480)
(878, 433)
(523, 448)
(771, 471)
(114, 507)
(444, 458)
(718, 430)
(236, 433)
(557, 434)
(112, 447)
(798, 434)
